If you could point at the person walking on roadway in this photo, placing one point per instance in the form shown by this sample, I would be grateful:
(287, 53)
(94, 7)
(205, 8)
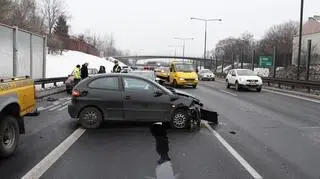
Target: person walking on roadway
(116, 67)
(77, 75)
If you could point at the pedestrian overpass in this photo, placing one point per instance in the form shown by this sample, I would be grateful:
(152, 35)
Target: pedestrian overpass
(162, 57)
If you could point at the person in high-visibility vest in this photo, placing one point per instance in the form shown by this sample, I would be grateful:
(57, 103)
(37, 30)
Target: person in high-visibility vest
(76, 75)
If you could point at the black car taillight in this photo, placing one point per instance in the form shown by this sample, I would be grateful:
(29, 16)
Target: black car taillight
(75, 93)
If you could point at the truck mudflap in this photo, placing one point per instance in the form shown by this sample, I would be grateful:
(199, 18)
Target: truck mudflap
(210, 116)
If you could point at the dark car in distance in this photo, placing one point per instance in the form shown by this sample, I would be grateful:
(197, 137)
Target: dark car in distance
(126, 97)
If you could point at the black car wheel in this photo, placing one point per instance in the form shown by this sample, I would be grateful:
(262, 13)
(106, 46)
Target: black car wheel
(259, 89)
(213, 79)
(9, 135)
(179, 119)
(90, 118)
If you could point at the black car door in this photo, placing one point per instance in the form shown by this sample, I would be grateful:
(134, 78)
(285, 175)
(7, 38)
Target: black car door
(141, 103)
(105, 93)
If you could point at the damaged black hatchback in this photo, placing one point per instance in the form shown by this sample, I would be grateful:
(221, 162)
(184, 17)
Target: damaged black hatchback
(125, 97)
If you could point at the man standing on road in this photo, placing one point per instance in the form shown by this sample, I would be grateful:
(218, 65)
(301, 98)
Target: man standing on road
(77, 75)
(116, 67)
(84, 71)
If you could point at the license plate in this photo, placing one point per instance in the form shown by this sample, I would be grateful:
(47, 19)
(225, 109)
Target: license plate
(190, 83)
(253, 83)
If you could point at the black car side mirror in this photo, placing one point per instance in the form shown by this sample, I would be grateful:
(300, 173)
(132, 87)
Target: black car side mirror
(158, 93)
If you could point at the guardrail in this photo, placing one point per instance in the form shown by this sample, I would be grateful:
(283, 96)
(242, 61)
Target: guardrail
(44, 81)
(288, 82)
(293, 83)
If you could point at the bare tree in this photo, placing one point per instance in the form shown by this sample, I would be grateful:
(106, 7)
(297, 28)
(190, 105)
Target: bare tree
(52, 10)
(5, 9)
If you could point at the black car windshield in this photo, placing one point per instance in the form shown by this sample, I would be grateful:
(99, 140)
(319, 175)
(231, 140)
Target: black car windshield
(149, 75)
(184, 67)
(246, 73)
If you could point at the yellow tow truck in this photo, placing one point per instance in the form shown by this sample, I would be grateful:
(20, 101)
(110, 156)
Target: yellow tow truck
(183, 74)
(17, 99)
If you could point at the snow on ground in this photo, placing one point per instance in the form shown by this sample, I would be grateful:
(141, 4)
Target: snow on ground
(62, 65)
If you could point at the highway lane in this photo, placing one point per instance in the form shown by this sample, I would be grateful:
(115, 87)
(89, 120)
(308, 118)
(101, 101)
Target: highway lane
(279, 135)
(278, 140)
(117, 150)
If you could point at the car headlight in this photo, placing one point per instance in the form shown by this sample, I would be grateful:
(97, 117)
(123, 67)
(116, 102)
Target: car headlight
(196, 79)
(181, 79)
(241, 79)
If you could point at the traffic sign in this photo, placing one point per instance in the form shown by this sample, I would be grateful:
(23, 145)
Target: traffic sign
(265, 61)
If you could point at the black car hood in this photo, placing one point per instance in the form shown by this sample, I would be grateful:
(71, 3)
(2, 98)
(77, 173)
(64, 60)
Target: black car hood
(189, 96)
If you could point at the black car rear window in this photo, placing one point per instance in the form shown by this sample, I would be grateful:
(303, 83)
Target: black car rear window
(110, 83)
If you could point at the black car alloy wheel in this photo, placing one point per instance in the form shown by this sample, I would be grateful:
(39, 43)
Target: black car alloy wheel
(90, 118)
(179, 119)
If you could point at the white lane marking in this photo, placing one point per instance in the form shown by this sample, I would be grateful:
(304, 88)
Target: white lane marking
(227, 92)
(38, 170)
(45, 108)
(235, 154)
(64, 107)
(59, 106)
(65, 98)
(293, 96)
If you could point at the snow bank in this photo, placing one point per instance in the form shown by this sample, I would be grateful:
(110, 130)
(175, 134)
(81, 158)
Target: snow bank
(62, 65)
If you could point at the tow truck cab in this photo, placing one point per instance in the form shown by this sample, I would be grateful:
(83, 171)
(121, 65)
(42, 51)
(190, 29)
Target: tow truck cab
(183, 74)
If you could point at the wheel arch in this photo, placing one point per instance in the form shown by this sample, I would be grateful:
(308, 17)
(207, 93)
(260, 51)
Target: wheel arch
(92, 106)
(14, 110)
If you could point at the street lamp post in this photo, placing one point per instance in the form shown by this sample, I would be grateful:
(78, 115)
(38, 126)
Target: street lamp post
(205, 32)
(184, 43)
(175, 49)
(300, 39)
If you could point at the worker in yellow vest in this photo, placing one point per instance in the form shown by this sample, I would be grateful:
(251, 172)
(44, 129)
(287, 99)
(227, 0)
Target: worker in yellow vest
(76, 75)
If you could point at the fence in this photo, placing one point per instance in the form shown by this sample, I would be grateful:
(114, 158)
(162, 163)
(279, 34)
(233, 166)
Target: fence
(22, 53)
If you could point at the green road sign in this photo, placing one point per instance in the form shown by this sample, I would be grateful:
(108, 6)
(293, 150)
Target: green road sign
(265, 61)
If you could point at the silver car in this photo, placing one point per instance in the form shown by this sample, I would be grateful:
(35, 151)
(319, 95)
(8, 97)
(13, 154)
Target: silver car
(206, 74)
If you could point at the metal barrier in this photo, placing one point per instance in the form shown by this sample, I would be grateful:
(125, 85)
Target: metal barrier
(315, 85)
(44, 81)
(293, 83)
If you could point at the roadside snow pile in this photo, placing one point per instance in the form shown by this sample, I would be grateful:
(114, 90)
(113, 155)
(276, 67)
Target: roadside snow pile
(62, 65)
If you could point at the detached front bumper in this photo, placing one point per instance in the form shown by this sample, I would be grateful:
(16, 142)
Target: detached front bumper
(199, 113)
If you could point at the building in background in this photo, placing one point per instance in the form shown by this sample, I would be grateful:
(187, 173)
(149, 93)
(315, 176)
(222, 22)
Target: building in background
(310, 31)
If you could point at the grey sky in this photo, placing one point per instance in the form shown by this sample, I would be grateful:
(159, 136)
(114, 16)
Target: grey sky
(148, 26)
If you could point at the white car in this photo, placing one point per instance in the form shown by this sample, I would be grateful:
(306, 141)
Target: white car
(243, 78)
(206, 74)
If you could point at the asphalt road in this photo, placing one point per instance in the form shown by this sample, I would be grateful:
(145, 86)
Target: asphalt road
(279, 136)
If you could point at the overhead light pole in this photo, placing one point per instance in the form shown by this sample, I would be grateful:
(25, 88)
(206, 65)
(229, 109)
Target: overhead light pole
(175, 49)
(205, 32)
(184, 43)
(300, 39)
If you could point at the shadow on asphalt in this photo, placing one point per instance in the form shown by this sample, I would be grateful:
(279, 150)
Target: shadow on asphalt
(133, 125)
